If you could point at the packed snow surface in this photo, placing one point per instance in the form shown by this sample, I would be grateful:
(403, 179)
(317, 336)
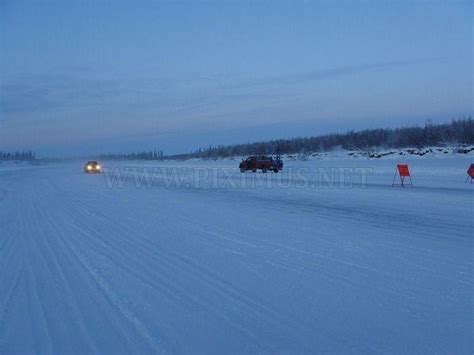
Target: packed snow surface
(323, 257)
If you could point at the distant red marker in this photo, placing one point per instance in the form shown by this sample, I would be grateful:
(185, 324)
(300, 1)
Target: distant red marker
(403, 173)
(470, 173)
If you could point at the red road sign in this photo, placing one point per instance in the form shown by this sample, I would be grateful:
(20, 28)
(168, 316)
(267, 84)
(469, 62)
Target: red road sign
(403, 172)
(470, 172)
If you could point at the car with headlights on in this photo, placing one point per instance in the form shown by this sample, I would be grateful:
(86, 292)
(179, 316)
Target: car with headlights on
(92, 167)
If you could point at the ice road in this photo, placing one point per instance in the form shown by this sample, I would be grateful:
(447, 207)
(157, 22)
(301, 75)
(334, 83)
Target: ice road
(88, 266)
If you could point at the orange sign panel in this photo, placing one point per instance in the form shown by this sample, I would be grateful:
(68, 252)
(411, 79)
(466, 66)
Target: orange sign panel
(403, 170)
(470, 171)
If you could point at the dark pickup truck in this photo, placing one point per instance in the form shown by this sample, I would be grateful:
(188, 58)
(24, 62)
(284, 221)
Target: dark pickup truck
(261, 162)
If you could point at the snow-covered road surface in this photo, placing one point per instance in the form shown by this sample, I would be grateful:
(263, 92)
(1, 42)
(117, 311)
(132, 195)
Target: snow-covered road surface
(90, 267)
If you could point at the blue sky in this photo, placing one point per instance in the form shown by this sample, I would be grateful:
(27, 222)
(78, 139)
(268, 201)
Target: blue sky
(79, 77)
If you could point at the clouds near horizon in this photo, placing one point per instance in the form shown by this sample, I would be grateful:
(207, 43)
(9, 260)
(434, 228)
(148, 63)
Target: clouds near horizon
(101, 71)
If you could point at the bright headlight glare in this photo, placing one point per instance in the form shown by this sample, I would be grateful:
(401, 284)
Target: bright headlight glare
(89, 167)
(97, 167)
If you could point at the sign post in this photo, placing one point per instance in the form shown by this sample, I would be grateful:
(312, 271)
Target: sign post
(470, 173)
(404, 174)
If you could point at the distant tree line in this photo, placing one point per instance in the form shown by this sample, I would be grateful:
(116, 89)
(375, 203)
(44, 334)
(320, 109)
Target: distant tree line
(454, 133)
(145, 155)
(26, 156)
(457, 132)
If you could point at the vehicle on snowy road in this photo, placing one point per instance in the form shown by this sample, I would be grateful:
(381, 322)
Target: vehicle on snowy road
(261, 162)
(92, 167)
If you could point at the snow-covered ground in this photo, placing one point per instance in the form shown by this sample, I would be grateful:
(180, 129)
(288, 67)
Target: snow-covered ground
(195, 257)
